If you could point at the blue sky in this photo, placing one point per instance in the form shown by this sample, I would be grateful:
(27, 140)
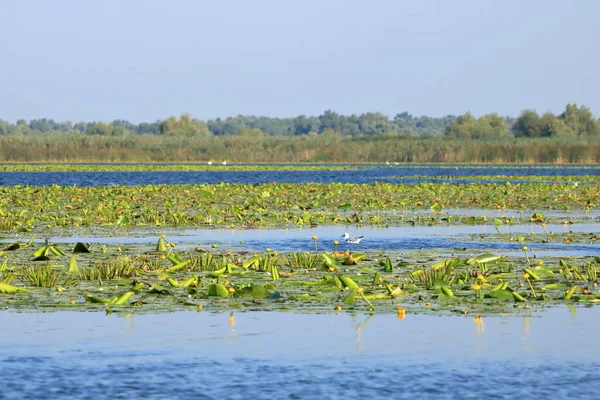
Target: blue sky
(145, 60)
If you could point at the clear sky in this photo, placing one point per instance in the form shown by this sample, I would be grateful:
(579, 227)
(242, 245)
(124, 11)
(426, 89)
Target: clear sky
(144, 60)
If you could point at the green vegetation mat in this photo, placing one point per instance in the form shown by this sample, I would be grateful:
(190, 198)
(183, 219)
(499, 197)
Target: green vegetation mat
(160, 278)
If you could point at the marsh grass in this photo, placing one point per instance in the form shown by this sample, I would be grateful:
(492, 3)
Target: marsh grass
(434, 277)
(44, 277)
(122, 267)
(306, 148)
(304, 260)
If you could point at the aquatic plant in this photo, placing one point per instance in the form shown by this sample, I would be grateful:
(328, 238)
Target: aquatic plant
(44, 277)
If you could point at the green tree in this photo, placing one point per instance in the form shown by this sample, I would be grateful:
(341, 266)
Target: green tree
(184, 126)
(465, 127)
(527, 124)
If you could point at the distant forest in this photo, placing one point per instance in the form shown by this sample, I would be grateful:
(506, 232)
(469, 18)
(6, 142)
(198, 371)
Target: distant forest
(573, 122)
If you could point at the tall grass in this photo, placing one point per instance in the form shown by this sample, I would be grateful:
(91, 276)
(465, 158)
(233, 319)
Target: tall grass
(381, 148)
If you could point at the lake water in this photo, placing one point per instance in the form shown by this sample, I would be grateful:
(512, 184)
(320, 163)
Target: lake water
(377, 240)
(353, 174)
(272, 355)
(258, 355)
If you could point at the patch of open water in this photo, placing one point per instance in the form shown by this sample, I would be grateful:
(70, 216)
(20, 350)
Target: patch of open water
(437, 238)
(353, 174)
(272, 355)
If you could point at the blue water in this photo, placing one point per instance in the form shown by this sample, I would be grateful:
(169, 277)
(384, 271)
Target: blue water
(401, 174)
(376, 240)
(271, 355)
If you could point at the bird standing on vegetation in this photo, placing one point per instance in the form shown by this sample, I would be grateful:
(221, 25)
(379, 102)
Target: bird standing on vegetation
(350, 239)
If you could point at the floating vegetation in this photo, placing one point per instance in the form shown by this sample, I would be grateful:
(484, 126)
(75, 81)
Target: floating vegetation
(45, 209)
(324, 275)
(151, 281)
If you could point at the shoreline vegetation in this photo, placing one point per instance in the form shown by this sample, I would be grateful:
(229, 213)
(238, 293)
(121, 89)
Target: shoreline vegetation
(568, 138)
(73, 148)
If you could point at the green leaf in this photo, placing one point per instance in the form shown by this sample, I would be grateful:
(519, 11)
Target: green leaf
(254, 292)
(161, 246)
(436, 208)
(80, 248)
(349, 299)
(483, 259)
(73, 268)
(6, 288)
(122, 299)
(501, 294)
(217, 290)
(348, 282)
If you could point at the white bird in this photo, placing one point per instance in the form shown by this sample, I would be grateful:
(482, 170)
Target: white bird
(224, 162)
(349, 239)
(210, 162)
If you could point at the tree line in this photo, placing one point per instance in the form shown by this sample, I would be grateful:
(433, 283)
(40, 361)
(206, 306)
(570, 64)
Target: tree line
(573, 122)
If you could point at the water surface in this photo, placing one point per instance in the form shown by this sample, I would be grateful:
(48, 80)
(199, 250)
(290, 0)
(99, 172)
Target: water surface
(271, 355)
(353, 174)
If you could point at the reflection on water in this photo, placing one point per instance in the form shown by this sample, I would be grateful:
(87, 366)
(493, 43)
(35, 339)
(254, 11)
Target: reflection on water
(285, 355)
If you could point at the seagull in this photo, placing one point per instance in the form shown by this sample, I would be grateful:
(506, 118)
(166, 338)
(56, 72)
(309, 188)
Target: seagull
(349, 239)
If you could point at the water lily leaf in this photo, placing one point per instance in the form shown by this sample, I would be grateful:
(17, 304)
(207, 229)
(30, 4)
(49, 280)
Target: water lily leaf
(73, 268)
(42, 251)
(161, 246)
(569, 293)
(586, 299)
(217, 272)
(178, 267)
(410, 287)
(218, 290)
(500, 294)
(517, 297)
(349, 299)
(55, 251)
(80, 248)
(157, 289)
(172, 282)
(122, 299)
(7, 288)
(541, 270)
(254, 292)
(436, 208)
(348, 282)
(192, 281)
(445, 293)
(483, 259)
(387, 265)
(13, 247)
(99, 300)
(497, 222)
(394, 292)
(555, 286)
(253, 262)
(328, 258)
